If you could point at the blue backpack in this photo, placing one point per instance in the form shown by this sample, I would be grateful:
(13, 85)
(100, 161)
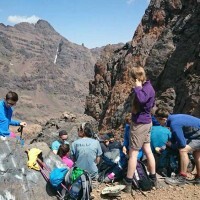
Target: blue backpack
(57, 176)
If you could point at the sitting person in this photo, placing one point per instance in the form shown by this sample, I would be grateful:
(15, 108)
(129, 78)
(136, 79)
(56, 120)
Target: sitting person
(86, 152)
(63, 152)
(6, 111)
(63, 140)
(113, 144)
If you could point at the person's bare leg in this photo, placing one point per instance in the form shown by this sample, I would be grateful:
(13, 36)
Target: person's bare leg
(184, 159)
(150, 158)
(197, 161)
(132, 162)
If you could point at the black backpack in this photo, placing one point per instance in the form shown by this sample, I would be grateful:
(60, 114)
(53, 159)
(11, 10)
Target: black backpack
(141, 180)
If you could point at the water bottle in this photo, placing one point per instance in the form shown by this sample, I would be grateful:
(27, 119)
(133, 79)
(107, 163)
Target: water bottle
(173, 175)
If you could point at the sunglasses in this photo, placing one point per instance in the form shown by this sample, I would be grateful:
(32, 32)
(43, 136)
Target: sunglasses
(10, 103)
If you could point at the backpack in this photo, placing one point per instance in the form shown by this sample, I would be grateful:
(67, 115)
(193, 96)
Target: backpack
(79, 184)
(57, 176)
(168, 162)
(141, 179)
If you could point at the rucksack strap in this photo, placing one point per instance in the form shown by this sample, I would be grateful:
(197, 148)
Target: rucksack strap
(86, 186)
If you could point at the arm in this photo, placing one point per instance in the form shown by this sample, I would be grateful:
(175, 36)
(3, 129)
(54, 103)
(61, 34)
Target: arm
(126, 135)
(55, 146)
(141, 94)
(98, 159)
(99, 152)
(72, 152)
(14, 122)
(178, 136)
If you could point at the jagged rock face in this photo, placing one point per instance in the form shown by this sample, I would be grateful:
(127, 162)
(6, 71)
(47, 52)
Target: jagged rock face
(49, 73)
(17, 181)
(166, 43)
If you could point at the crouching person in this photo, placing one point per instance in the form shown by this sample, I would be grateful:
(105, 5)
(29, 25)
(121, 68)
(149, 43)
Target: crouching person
(86, 152)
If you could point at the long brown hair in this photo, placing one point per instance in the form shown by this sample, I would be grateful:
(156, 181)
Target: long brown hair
(138, 73)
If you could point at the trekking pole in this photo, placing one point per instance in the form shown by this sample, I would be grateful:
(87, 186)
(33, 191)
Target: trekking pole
(21, 132)
(20, 129)
(43, 167)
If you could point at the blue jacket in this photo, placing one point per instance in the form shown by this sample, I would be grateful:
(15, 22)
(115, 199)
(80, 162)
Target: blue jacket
(126, 140)
(5, 119)
(176, 123)
(126, 136)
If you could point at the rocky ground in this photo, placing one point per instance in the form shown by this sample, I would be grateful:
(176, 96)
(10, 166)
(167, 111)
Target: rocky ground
(166, 192)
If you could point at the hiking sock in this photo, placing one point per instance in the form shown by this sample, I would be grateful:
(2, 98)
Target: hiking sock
(153, 179)
(152, 176)
(183, 174)
(128, 181)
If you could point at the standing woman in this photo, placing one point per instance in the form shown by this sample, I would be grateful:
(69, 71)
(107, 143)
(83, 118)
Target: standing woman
(142, 103)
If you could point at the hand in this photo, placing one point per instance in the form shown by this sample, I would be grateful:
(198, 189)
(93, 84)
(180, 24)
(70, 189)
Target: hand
(124, 150)
(23, 124)
(138, 83)
(169, 144)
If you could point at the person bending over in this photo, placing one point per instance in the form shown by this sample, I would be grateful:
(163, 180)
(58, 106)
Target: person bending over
(186, 137)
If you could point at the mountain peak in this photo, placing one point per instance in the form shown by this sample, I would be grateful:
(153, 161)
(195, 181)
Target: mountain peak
(44, 25)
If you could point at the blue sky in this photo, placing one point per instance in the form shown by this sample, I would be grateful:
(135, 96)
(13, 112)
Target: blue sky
(92, 22)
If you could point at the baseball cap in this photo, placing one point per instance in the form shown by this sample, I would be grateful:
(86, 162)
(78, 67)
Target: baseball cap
(104, 137)
(63, 132)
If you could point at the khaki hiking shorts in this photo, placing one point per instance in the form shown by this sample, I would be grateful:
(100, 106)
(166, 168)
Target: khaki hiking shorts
(140, 134)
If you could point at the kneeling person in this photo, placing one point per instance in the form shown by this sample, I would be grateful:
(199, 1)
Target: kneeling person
(86, 152)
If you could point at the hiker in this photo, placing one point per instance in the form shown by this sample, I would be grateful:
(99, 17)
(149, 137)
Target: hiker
(108, 142)
(113, 144)
(142, 103)
(186, 137)
(86, 152)
(6, 111)
(64, 152)
(63, 135)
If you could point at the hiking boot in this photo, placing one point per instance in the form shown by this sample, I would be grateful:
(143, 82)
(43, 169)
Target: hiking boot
(195, 181)
(177, 180)
(153, 181)
(128, 187)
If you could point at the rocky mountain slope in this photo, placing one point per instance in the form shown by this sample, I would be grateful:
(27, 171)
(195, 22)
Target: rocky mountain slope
(166, 43)
(49, 72)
